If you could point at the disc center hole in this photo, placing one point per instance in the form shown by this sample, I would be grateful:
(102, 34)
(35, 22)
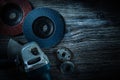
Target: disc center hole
(45, 28)
(12, 15)
(63, 54)
(67, 68)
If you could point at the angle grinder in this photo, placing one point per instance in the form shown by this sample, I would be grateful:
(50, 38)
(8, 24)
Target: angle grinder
(30, 59)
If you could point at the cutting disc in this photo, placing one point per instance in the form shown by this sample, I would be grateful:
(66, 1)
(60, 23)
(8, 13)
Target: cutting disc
(45, 26)
(12, 14)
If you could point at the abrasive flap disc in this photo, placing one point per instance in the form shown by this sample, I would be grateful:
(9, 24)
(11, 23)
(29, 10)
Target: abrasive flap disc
(45, 26)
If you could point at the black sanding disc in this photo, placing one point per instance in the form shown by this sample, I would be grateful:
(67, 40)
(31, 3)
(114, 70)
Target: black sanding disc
(12, 14)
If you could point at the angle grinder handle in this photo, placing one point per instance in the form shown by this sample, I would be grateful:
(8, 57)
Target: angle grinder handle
(42, 73)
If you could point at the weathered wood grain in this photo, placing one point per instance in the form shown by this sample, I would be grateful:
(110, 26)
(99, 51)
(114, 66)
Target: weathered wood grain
(92, 34)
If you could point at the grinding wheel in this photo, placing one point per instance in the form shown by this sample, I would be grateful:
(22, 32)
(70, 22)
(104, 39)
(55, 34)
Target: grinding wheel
(12, 14)
(44, 26)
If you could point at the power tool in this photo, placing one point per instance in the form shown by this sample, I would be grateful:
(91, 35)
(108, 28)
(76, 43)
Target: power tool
(32, 61)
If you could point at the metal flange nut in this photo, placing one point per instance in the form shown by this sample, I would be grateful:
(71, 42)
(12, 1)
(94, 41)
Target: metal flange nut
(67, 67)
(64, 54)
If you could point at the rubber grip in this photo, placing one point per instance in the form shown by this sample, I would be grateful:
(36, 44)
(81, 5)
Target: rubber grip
(42, 73)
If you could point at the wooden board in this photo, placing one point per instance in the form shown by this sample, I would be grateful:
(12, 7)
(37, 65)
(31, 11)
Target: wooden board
(92, 34)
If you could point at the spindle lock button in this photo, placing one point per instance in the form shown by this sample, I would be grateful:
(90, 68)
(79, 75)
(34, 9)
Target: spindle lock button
(34, 51)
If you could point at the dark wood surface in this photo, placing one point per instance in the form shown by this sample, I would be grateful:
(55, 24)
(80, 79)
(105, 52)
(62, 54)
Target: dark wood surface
(92, 34)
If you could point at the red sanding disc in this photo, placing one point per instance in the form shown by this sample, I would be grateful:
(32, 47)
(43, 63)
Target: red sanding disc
(12, 14)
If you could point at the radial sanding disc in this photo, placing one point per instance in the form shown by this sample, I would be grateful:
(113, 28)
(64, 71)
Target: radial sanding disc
(45, 26)
(12, 14)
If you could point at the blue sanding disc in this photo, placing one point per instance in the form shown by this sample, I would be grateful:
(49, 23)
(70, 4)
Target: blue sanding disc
(45, 26)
